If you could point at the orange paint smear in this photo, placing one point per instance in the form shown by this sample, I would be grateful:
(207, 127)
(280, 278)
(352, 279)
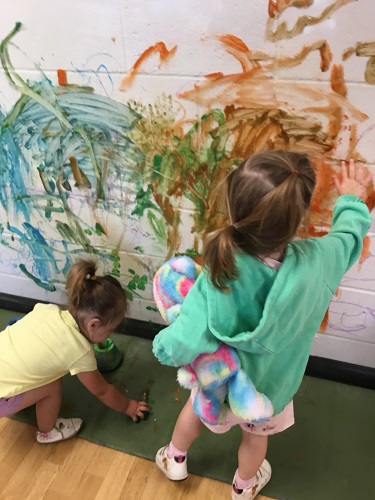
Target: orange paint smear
(238, 49)
(62, 77)
(338, 84)
(365, 250)
(164, 55)
(324, 184)
(233, 42)
(218, 74)
(324, 323)
(370, 201)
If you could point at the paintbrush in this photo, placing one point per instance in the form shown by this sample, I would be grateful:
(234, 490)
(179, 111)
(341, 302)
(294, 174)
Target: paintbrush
(146, 414)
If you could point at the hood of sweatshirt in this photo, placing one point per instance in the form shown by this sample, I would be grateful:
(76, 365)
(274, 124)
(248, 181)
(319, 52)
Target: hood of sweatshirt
(264, 301)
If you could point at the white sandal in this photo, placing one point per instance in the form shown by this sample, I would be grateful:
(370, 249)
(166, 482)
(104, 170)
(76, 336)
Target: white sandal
(64, 428)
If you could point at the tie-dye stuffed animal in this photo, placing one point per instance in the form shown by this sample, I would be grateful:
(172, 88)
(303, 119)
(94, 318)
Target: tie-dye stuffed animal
(216, 376)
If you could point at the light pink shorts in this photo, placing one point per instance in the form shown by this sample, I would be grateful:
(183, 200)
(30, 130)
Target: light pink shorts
(272, 425)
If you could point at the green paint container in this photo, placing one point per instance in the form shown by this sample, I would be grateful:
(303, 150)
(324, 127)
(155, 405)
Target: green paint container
(108, 356)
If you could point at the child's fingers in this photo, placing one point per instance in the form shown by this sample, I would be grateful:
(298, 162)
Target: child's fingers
(359, 173)
(344, 170)
(368, 180)
(351, 169)
(143, 412)
(143, 406)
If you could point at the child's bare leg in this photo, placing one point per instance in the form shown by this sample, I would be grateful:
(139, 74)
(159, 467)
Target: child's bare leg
(251, 453)
(171, 459)
(48, 401)
(187, 428)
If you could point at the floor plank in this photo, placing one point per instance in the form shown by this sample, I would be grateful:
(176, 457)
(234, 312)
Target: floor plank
(80, 470)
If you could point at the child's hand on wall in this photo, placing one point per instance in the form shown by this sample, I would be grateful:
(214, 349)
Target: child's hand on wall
(354, 180)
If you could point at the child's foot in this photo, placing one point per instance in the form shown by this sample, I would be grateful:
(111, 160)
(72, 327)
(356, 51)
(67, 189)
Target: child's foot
(174, 468)
(65, 428)
(262, 477)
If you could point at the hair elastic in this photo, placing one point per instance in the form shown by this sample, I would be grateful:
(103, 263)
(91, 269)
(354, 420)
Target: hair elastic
(295, 172)
(89, 277)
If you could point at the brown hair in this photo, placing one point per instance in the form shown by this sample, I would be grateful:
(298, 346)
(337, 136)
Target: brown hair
(88, 293)
(266, 199)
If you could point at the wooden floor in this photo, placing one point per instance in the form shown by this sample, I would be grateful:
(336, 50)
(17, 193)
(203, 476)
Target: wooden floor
(78, 469)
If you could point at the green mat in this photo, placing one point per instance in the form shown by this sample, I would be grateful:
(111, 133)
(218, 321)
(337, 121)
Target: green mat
(329, 454)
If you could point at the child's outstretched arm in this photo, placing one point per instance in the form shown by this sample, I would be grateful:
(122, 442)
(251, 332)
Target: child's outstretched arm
(112, 397)
(351, 220)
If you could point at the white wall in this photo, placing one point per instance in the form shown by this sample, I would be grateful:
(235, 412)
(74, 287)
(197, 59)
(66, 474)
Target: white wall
(97, 43)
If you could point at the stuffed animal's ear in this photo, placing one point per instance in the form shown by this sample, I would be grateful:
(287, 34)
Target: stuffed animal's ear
(172, 283)
(245, 401)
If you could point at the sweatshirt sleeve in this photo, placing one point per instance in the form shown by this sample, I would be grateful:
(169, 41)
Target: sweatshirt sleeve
(180, 343)
(343, 245)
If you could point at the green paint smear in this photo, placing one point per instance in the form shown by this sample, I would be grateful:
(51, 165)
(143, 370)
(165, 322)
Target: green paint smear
(152, 308)
(143, 202)
(138, 282)
(37, 281)
(99, 229)
(66, 232)
(158, 226)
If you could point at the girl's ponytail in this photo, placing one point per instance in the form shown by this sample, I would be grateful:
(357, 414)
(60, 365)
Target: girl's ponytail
(102, 296)
(79, 279)
(266, 199)
(218, 257)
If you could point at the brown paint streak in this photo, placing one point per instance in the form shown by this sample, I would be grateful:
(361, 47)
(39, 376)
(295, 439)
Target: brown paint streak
(361, 49)
(325, 57)
(366, 49)
(252, 59)
(79, 177)
(276, 7)
(282, 32)
(164, 55)
(338, 84)
(290, 61)
(353, 139)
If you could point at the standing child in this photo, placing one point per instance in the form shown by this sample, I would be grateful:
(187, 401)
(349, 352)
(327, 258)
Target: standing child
(46, 344)
(265, 295)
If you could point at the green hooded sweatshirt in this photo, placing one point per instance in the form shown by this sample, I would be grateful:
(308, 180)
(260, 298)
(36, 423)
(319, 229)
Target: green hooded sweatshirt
(270, 317)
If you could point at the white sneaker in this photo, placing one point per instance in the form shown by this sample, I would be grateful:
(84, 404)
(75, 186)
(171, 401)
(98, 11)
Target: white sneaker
(174, 470)
(64, 428)
(262, 477)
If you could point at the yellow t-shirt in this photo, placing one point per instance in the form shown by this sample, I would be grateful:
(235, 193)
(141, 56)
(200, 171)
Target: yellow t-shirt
(42, 347)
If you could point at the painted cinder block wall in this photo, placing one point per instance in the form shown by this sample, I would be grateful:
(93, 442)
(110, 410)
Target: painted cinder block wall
(119, 118)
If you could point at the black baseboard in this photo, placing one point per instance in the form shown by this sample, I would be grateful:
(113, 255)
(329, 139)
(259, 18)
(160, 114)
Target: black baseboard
(329, 369)
(339, 371)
